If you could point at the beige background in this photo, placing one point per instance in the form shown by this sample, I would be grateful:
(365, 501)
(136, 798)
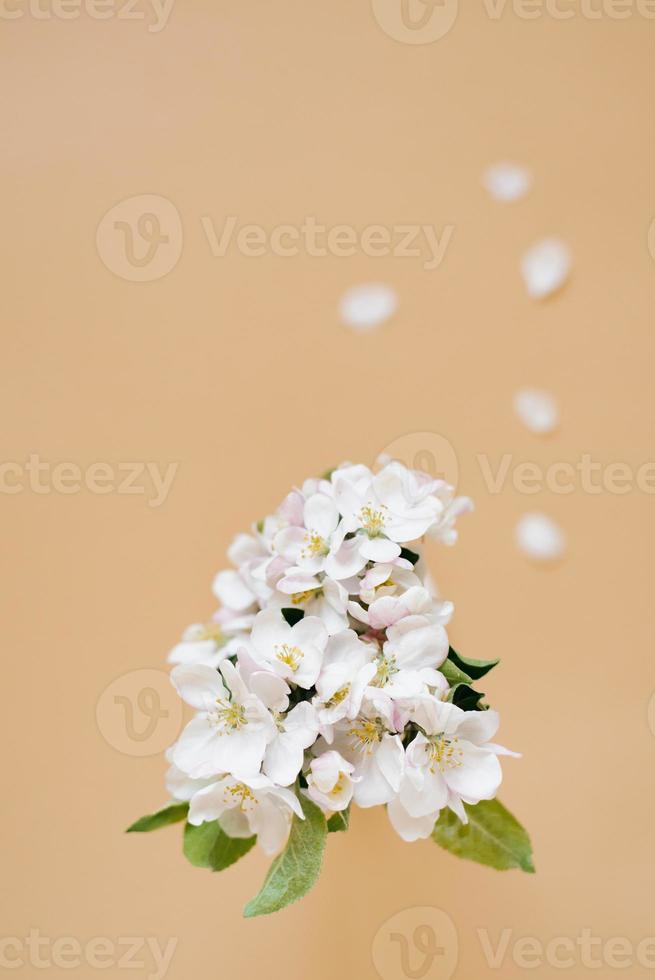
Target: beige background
(238, 369)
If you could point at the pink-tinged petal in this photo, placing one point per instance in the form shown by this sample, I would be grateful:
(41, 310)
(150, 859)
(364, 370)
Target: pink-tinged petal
(408, 827)
(386, 611)
(289, 542)
(271, 690)
(455, 804)
(269, 629)
(284, 758)
(479, 726)
(230, 589)
(390, 759)
(321, 515)
(309, 668)
(235, 823)
(347, 561)
(310, 630)
(378, 549)
(198, 685)
(501, 750)
(271, 823)
(478, 777)
(298, 580)
(234, 681)
(207, 804)
(240, 752)
(192, 752)
(372, 789)
(244, 548)
(429, 795)
(359, 613)
(291, 508)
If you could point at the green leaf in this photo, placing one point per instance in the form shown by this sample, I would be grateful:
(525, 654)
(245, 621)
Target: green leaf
(293, 616)
(339, 821)
(172, 813)
(474, 668)
(453, 674)
(492, 836)
(208, 846)
(467, 699)
(297, 868)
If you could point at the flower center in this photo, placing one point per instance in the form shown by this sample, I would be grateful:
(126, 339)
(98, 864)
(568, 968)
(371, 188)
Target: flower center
(242, 796)
(387, 667)
(314, 545)
(289, 656)
(299, 597)
(228, 715)
(365, 734)
(211, 631)
(372, 520)
(443, 753)
(338, 696)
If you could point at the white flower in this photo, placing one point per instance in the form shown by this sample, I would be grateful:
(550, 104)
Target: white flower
(387, 578)
(296, 731)
(377, 755)
(340, 687)
(308, 546)
(232, 728)
(201, 645)
(179, 785)
(326, 599)
(389, 609)
(407, 663)
(450, 762)
(293, 652)
(247, 806)
(330, 782)
(453, 507)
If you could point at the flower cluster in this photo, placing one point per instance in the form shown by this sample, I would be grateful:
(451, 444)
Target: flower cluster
(327, 675)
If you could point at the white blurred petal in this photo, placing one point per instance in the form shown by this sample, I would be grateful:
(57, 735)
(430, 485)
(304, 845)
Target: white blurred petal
(539, 537)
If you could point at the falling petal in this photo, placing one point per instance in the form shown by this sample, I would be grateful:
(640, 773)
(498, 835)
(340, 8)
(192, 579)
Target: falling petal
(536, 409)
(545, 267)
(367, 306)
(507, 181)
(539, 537)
